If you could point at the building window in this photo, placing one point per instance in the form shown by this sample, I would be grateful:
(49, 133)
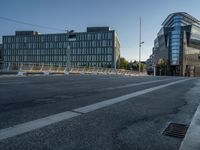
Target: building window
(175, 40)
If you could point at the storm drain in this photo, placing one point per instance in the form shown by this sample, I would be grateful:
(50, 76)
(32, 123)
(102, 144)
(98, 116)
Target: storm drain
(176, 130)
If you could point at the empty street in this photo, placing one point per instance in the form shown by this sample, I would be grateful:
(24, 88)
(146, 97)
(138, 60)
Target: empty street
(94, 111)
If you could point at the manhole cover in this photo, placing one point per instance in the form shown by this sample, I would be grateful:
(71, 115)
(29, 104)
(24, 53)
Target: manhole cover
(176, 130)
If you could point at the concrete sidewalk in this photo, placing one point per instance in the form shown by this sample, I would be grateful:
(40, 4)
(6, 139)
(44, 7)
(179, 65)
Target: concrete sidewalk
(192, 138)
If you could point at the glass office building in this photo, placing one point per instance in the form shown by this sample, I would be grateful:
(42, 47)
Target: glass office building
(1, 55)
(178, 44)
(98, 47)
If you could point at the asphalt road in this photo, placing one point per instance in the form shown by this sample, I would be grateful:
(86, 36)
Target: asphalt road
(136, 123)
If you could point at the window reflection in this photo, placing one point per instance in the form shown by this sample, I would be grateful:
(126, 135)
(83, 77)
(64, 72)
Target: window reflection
(175, 40)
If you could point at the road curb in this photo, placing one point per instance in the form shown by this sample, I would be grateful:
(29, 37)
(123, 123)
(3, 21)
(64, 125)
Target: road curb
(191, 140)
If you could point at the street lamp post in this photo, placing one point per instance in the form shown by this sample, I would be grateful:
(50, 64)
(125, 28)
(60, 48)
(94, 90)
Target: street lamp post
(68, 59)
(140, 46)
(68, 52)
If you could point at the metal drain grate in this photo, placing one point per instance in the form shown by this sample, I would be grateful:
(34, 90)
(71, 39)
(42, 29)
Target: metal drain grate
(176, 130)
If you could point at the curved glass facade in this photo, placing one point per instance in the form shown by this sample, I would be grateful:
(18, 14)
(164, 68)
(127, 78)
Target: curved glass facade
(179, 45)
(176, 40)
(195, 34)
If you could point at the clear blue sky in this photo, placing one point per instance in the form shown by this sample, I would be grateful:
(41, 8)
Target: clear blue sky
(120, 15)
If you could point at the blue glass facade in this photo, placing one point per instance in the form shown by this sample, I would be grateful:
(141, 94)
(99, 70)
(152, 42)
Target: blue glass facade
(1, 55)
(176, 40)
(177, 46)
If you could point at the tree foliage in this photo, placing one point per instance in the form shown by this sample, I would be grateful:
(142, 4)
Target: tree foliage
(123, 63)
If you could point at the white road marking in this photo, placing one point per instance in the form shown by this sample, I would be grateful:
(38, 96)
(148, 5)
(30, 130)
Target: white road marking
(7, 76)
(35, 124)
(14, 82)
(112, 101)
(39, 123)
(191, 140)
(131, 85)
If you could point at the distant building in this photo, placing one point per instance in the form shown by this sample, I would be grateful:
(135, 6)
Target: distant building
(150, 65)
(98, 47)
(177, 46)
(1, 55)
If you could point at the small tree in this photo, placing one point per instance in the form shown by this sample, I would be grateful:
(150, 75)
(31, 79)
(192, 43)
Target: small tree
(143, 67)
(133, 66)
(123, 63)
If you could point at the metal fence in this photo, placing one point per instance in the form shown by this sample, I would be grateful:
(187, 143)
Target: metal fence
(22, 69)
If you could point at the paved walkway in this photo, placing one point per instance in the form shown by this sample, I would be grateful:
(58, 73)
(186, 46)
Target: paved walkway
(192, 138)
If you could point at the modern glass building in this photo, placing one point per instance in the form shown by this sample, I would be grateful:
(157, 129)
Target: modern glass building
(98, 47)
(177, 45)
(1, 55)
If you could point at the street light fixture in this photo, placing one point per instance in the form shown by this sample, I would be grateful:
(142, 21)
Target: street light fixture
(68, 52)
(140, 45)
